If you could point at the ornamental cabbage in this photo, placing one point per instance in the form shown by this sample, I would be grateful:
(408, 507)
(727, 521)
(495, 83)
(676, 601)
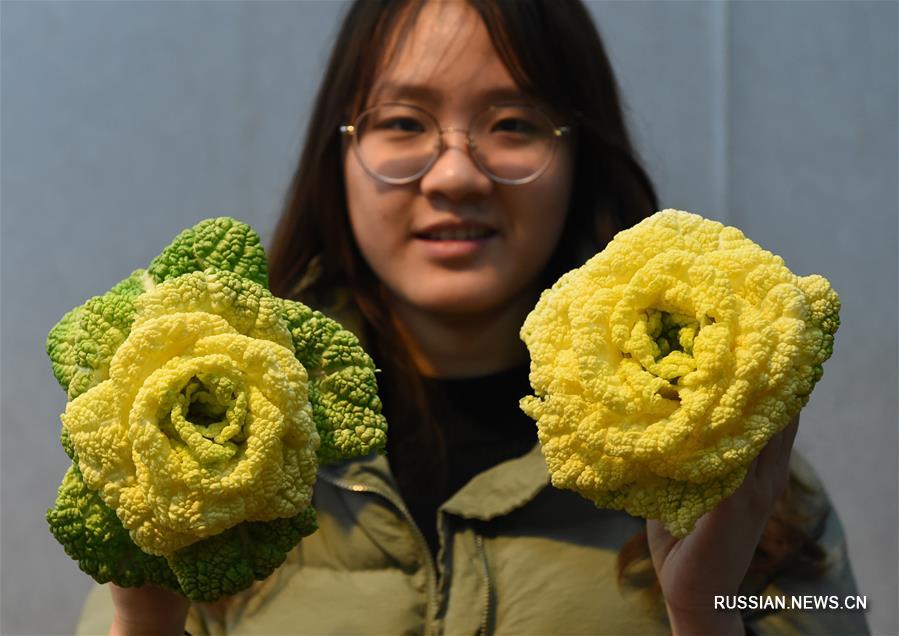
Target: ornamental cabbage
(200, 409)
(664, 364)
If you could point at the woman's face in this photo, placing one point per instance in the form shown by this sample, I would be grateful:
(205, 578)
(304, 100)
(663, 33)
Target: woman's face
(450, 53)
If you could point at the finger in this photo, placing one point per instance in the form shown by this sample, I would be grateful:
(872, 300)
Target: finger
(761, 465)
(789, 438)
(660, 542)
(777, 459)
(752, 473)
(774, 461)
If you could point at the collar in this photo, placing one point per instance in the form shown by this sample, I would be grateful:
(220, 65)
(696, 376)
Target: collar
(501, 489)
(493, 493)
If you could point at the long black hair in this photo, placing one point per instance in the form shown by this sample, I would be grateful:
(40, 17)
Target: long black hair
(553, 50)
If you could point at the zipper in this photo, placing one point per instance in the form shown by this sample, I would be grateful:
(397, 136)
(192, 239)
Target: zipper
(488, 587)
(423, 543)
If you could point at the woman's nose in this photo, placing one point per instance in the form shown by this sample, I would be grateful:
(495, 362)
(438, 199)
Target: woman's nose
(454, 173)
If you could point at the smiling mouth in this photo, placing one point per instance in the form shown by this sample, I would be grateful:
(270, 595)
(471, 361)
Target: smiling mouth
(460, 234)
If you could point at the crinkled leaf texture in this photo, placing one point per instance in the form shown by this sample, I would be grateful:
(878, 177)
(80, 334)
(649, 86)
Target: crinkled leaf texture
(663, 365)
(200, 407)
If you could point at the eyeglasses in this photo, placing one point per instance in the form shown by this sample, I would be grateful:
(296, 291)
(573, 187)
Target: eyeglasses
(398, 143)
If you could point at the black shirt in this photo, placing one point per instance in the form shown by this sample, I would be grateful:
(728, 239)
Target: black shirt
(482, 426)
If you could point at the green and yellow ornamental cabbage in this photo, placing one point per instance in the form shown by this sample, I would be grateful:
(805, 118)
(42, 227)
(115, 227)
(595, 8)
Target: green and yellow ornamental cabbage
(200, 409)
(663, 365)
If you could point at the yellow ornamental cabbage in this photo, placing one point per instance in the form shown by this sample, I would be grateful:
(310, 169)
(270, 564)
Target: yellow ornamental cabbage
(663, 365)
(202, 424)
(200, 408)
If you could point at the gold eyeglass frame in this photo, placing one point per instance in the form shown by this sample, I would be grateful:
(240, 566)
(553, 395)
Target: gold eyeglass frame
(350, 130)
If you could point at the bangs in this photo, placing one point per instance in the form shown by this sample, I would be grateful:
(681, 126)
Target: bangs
(509, 35)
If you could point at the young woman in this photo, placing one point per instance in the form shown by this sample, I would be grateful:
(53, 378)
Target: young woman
(433, 252)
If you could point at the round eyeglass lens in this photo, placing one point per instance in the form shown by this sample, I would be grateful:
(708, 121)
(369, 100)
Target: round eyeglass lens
(513, 142)
(398, 142)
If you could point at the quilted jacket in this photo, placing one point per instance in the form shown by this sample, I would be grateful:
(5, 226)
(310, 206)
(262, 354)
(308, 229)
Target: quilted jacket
(517, 556)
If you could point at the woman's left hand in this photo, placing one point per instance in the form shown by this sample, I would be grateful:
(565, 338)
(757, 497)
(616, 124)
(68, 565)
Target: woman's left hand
(713, 559)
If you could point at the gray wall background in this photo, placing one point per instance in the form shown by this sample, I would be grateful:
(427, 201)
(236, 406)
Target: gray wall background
(122, 123)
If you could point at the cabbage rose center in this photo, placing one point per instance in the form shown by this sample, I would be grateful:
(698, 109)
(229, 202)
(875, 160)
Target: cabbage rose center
(662, 343)
(207, 418)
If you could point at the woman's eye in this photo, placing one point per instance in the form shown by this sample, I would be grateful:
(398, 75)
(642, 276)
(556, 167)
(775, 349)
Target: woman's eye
(514, 126)
(402, 124)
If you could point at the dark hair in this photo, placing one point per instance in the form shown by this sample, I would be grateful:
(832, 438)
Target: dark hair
(610, 190)
(553, 50)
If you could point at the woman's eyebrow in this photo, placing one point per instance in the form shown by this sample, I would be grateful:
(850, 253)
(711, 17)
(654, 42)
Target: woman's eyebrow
(431, 95)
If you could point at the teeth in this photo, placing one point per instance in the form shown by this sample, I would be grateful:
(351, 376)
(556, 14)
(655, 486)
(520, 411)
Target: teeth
(466, 234)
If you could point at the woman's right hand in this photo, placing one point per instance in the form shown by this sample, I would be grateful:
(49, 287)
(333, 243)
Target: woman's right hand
(147, 610)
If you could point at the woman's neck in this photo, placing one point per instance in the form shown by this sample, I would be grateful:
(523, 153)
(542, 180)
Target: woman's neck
(453, 346)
